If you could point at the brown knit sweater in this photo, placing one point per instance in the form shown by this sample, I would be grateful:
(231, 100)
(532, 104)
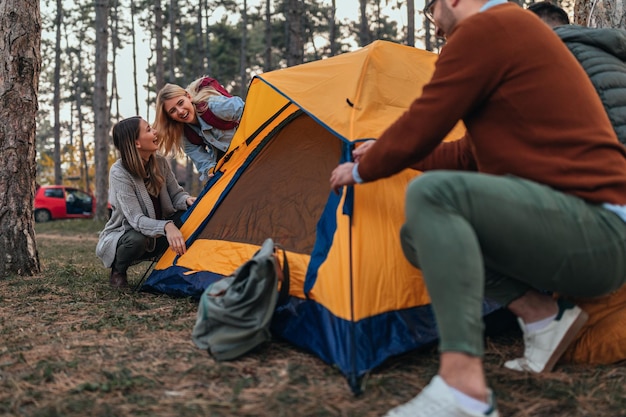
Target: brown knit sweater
(529, 108)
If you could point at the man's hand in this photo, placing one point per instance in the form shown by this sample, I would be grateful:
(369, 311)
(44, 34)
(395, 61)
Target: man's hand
(361, 149)
(342, 175)
(190, 200)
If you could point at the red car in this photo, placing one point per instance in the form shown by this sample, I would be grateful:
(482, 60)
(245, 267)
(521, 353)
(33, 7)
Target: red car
(53, 202)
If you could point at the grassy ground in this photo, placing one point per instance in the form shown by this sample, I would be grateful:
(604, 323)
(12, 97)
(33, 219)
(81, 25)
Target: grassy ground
(71, 346)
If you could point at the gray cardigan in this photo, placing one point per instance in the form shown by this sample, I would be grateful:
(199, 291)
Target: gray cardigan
(133, 209)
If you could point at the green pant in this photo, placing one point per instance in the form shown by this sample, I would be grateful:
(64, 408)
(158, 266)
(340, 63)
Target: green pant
(133, 247)
(476, 235)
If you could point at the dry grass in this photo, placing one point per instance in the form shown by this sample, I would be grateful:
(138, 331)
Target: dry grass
(71, 346)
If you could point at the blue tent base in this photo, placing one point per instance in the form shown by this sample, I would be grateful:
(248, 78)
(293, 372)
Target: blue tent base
(173, 281)
(356, 348)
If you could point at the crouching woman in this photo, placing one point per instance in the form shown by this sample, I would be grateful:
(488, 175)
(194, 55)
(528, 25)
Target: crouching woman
(146, 200)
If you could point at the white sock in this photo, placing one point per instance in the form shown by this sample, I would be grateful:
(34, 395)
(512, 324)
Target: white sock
(469, 403)
(535, 326)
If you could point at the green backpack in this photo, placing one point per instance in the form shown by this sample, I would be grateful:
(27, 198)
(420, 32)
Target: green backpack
(235, 313)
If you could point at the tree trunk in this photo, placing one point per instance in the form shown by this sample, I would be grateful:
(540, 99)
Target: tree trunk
(58, 174)
(428, 35)
(20, 45)
(78, 97)
(79, 91)
(171, 65)
(115, 44)
(207, 40)
(134, 46)
(581, 12)
(200, 41)
(600, 13)
(172, 48)
(242, 51)
(364, 31)
(378, 21)
(158, 36)
(332, 29)
(101, 109)
(149, 86)
(410, 26)
(76, 77)
(267, 62)
(295, 42)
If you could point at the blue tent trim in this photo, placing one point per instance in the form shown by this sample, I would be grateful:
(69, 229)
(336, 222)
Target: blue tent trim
(375, 339)
(326, 227)
(175, 282)
(325, 230)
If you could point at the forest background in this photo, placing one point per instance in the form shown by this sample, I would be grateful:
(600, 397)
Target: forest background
(152, 42)
(61, 71)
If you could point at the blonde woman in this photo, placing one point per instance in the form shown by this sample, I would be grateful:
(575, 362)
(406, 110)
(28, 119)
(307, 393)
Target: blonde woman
(146, 201)
(201, 120)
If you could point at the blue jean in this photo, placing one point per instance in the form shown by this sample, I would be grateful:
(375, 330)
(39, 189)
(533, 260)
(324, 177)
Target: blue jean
(476, 235)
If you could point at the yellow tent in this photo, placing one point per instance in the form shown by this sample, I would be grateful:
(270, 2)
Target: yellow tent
(355, 300)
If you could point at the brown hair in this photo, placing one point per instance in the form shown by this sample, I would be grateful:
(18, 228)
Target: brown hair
(125, 133)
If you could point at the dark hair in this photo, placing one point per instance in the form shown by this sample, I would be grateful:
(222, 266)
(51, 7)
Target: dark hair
(550, 13)
(125, 133)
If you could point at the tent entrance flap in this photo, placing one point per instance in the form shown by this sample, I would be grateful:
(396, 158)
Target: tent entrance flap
(283, 191)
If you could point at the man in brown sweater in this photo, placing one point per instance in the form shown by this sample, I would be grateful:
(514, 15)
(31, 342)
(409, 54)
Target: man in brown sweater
(546, 209)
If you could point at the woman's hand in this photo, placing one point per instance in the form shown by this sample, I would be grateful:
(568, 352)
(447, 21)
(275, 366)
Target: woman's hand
(175, 239)
(190, 201)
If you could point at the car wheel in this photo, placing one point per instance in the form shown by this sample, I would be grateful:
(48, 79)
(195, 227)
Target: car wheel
(42, 216)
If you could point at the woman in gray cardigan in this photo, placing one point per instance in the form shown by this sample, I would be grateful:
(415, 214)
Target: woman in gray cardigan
(146, 201)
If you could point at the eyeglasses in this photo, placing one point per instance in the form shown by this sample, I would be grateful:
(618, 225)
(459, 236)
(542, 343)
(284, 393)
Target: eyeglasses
(429, 10)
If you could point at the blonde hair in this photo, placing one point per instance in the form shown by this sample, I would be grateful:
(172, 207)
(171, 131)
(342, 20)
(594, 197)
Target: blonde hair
(200, 95)
(170, 131)
(125, 133)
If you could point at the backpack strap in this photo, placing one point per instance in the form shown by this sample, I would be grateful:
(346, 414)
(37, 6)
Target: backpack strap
(192, 136)
(212, 82)
(283, 295)
(197, 140)
(211, 119)
(217, 122)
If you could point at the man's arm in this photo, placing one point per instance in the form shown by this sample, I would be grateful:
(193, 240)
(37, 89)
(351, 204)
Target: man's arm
(455, 155)
(466, 74)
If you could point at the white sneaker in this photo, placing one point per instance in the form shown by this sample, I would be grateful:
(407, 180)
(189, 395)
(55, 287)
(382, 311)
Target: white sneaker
(543, 348)
(436, 400)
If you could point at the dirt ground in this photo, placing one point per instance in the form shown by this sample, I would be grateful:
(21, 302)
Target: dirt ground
(72, 346)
